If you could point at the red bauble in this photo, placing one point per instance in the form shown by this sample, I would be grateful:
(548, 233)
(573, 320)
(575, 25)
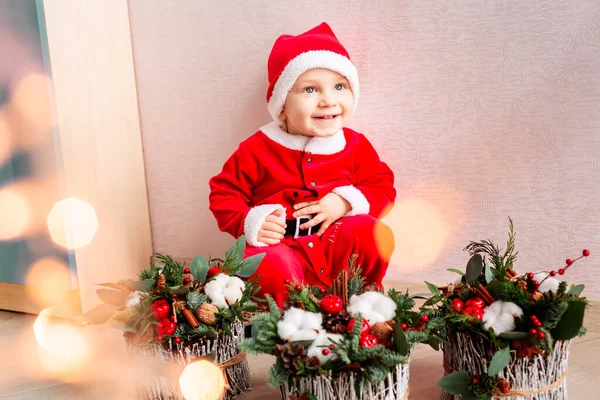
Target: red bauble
(161, 309)
(212, 272)
(364, 329)
(541, 335)
(186, 270)
(561, 271)
(473, 312)
(404, 326)
(368, 340)
(552, 273)
(177, 339)
(586, 253)
(325, 352)
(533, 332)
(569, 261)
(424, 318)
(530, 275)
(457, 305)
(332, 304)
(476, 302)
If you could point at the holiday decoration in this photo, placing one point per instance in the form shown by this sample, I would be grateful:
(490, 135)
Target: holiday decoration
(177, 314)
(344, 343)
(507, 335)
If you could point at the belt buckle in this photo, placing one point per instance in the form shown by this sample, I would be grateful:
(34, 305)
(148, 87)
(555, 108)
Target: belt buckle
(298, 223)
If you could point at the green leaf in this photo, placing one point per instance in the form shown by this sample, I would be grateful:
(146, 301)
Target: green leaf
(199, 268)
(455, 383)
(456, 271)
(495, 288)
(513, 335)
(433, 342)
(121, 325)
(571, 321)
(111, 285)
(141, 286)
(488, 274)
(250, 265)
(236, 252)
(576, 290)
(433, 288)
(112, 297)
(474, 267)
(180, 291)
(99, 314)
(499, 361)
(400, 340)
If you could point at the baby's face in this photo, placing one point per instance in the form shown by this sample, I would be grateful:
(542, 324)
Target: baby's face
(319, 104)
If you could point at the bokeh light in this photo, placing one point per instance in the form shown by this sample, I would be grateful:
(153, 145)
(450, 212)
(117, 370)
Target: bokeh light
(72, 223)
(6, 141)
(47, 281)
(15, 214)
(202, 380)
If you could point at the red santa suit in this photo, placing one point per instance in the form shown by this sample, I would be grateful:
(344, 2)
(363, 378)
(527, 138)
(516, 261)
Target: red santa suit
(274, 170)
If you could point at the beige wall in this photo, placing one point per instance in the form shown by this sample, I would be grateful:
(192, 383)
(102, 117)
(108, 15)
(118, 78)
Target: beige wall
(483, 110)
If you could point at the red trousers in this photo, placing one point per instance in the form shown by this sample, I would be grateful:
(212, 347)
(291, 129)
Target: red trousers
(317, 260)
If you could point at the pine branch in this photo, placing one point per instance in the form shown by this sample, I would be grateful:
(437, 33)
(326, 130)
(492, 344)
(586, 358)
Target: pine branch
(356, 281)
(145, 274)
(195, 300)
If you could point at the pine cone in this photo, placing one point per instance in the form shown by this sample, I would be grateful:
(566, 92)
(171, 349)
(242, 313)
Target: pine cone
(314, 362)
(294, 303)
(503, 386)
(161, 283)
(337, 323)
(292, 355)
(371, 287)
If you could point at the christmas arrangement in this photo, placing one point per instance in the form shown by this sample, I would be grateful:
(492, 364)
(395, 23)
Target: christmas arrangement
(349, 342)
(507, 335)
(175, 313)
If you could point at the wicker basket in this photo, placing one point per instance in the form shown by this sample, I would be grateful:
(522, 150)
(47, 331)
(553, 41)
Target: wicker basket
(324, 387)
(159, 387)
(537, 377)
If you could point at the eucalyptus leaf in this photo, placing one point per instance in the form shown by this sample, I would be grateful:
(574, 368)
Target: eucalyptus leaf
(236, 252)
(455, 383)
(250, 265)
(474, 267)
(141, 286)
(488, 274)
(456, 271)
(121, 326)
(199, 268)
(513, 335)
(433, 342)
(576, 290)
(400, 340)
(571, 321)
(180, 291)
(112, 297)
(112, 285)
(433, 288)
(100, 314)
(499, 361)
(495, 288)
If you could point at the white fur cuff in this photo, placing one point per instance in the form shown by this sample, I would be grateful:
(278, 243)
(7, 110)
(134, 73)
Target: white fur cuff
(358, 201)
(256, 218)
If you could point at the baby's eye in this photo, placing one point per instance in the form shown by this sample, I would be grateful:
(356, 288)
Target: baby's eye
(309, 89)
(340, 86)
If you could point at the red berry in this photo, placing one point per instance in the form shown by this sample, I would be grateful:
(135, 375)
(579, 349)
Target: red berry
(368, 340)
(325, 352)
(586, 253)
(475, 380)
(457, 305)
(552, 273)
(541, 335)
(332, 346)
(213, 271)
(524, 287)
(569, 261)
(364, 329)
(172, 318)
(332, 304)
(424, 318)
(530, 275)
(537, 324)
(159, 338)
(533, 332)
(186, 280)
(321, 290)
(533, 318)
(535, 284)
(404, 326)
(476, 302)
(186, 270)
(561, 271)
(286, 282)
(161, 309)
(298, 288)
(177, 339)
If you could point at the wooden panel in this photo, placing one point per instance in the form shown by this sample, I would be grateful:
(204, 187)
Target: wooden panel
(98, 123)
(15, 297)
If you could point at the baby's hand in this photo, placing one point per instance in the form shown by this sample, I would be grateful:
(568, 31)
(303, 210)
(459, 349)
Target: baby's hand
(273, 229)
(329, 209)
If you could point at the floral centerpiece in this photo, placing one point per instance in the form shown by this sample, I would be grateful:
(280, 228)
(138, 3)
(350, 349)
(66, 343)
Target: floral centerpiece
(349, 342)
(175, 313)
(507, 335)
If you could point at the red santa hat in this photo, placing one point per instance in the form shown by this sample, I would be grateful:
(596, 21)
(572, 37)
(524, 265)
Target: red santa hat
(291, 56)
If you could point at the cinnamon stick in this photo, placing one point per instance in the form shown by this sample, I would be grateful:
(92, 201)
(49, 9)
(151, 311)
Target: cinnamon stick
(345, 287)
(484, 294)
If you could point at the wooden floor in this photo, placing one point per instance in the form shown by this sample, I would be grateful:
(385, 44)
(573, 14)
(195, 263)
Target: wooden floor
(112, 374)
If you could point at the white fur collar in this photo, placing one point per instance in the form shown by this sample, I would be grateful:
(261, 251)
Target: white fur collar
(315, 145)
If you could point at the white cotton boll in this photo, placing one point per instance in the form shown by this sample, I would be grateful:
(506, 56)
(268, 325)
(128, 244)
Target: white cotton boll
(361, 307)
(214, 291)
(354, 299)
(550, 284)
(220, 279)
(294, 316)
(236, 282)
(387, 307)
(133, 299)
(374, 317)
(285, 330)
(372, 297)
(322, 341)
(232, 294)
(312, 321)
(305, 334)
(511, 309)
(500, 316)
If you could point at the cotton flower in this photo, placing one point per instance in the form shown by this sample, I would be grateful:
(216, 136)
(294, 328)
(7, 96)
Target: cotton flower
(549, 285)
(225, 290)
(133, 299)
(298, 324)
(373, 306)
(500, 316)
(322, 341)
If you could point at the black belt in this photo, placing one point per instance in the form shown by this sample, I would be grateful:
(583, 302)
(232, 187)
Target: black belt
(293, 227)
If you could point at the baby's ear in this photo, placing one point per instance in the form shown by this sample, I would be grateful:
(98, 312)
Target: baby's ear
(282, 115)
